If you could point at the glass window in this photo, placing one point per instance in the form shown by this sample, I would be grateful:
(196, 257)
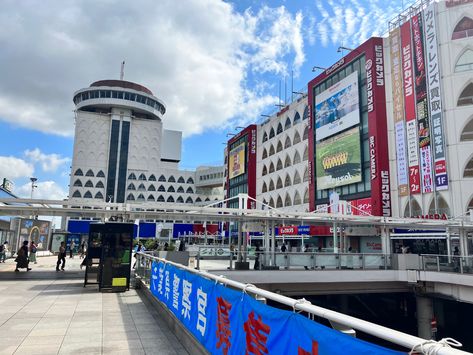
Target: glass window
(85, 96)
(115, 94)
(366, 150)
(466, 97)
(463, 29)
(132, 97)
(127, 96)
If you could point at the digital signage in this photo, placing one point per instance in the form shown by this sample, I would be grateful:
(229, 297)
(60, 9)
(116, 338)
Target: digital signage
(338, 160)
(337, 108)
(237, 161)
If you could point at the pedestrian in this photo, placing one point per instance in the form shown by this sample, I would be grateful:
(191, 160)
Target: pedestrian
(61, 257)
(257, 258)
(82, 250)
(306, 250)
(3, 251)
(33, 250)
(22, 258)
(283, 248)
(139, 248)
(71, 249)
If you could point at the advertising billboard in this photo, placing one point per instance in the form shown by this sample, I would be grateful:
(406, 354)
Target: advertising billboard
(34, 230)
(338, 160)
(337, 108)
(237, 161)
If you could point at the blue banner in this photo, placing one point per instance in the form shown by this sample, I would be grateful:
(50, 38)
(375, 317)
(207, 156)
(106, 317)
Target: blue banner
(226, 321)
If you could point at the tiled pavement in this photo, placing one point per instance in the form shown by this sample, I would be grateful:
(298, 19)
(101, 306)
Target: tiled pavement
(60, 316)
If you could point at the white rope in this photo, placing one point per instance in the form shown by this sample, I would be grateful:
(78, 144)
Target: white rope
(432, 347)
(300, 301)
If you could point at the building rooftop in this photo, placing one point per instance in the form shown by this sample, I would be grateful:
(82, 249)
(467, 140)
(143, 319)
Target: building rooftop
(122, 84)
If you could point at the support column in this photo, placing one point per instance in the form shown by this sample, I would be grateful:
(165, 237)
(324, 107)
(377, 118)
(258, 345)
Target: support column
(335, 238)
(273, 244)
(386, 240)
(239, 242)
(424, 316)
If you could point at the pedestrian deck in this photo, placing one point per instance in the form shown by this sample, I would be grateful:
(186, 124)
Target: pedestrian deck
(44, 312)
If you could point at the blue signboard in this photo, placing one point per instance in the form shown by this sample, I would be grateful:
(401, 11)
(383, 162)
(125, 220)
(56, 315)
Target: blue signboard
(226, 321)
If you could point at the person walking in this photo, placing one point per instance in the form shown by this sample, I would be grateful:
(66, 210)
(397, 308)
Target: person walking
(71, 249)
(257, 258)
(22, 258)
(33, 250)
(3, 251)
(82, 250)
(305, 250)
(61, 257)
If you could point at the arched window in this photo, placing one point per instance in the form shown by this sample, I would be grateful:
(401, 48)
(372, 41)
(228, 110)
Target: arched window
(265, 154)
(141, 187)
(287, 161)
(162, 178)
(287, 181)
(287, 143)
(297, 138)
(160, 198)
(171, 179)
(190, 180)
(467, 133)
(78, 183)
(180, 189)
(79, 172)
(305, 177)
(279, 165)
(88, 194)
(100, 174)
(287, 125)
(142, 177)
(466, 97)
(152, 178)
(279, 130)
(76, 194)
(161, 188)
(150, 198)
(264, 188)
(151, 188)
(271, 168)
(305, 135)
(271, 150)
(198, 200)
(470, 205)
(271, 202)
(297, 199)
(131, 187)
(271, 185)
(306, 196)
(306, 113)
(288, 201)
(279, 147)
(415, 209)
(279, 183)
(271, 133)
(170, 199)
(305, 156)
(132, 176)
(297, 158)
(189, 190)
(297, 178)
(207, 199)
(297, 118)
(265, 170)
(463, 29)
(279, 202)
(265, 137)
(442, 206)
(468, 172)
(99, 185)
(89, 184)
(181, 180)
(140, 197)
(99, 196)
(189, 200)
(89, 173)
(180, 200)
(465, 62)
(171, 189)
(130, 197)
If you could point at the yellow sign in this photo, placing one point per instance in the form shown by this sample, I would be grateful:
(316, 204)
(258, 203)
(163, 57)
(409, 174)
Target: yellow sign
(237, 161)
(118, 281)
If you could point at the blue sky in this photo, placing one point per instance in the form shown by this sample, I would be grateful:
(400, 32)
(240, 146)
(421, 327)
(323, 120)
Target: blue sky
(217, 65)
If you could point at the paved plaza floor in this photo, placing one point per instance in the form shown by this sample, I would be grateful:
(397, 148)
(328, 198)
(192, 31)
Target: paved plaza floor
(45, 312)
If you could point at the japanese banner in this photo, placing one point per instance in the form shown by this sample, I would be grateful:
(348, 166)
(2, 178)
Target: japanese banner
(435, 97)
(409, 109)
(226, 321)
(398, 110)
(423, 122)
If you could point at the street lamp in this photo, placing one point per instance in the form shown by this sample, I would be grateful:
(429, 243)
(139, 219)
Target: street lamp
(341, 48)
(33, 186)
(315, 67)
(230, 134)
(298, 93)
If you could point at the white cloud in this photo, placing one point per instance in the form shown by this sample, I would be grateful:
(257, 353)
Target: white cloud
(195, 55)
(13, 168)
(48, 162)
(48, 190)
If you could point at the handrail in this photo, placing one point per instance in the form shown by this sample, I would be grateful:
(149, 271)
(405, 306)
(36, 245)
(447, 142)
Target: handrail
(406, 340)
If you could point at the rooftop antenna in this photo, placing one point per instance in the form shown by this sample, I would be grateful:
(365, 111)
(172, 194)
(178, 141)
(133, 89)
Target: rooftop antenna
(122, 70)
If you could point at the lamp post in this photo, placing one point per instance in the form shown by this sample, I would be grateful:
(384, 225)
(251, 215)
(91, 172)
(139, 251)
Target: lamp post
(342, 48)
(315, 67)
(33, 185)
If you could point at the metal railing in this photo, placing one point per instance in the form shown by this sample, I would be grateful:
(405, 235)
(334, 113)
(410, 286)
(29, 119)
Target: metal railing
(143, 272)
(447, 263)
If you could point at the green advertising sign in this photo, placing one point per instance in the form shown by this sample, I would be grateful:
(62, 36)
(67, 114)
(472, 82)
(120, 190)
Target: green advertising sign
(338, 160)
